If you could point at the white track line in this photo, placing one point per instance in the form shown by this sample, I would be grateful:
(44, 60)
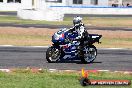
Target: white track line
(49, 46)
(5, 70)
(55, 70)
(24, 46)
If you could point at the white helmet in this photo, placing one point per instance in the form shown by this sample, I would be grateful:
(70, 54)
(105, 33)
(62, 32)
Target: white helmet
(77, 20)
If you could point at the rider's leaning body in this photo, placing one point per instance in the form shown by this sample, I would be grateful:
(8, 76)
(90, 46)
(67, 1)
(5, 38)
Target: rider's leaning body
(78, 27)
(81, 30)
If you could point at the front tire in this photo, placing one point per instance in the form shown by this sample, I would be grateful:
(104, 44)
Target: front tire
(52, 54)
(89, 54)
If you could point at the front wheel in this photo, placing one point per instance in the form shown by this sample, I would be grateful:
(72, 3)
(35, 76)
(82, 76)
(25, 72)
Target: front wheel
(52, 54)
(89, 54)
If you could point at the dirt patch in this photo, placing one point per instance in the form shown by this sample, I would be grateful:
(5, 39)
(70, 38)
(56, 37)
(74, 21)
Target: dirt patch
(46, 31)
(26, 31)
(42, 36)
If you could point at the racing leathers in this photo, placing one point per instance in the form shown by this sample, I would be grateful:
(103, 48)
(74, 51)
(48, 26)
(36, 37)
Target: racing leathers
(82, 35)
(81, 30)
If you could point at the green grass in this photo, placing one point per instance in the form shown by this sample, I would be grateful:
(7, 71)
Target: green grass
(111, 21)
(16, 20)
(95, 21)
(25, 40)
(115, 43)
(26, 79)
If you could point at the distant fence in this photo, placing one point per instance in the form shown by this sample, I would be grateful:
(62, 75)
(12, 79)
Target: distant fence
(89, 7)
(93, 10)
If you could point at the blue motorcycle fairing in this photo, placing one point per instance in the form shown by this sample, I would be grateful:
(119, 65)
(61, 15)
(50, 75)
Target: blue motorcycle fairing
(65, 40)
(70, 48)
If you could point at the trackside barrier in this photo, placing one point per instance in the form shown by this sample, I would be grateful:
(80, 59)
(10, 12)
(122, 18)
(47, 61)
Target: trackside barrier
(56, 13)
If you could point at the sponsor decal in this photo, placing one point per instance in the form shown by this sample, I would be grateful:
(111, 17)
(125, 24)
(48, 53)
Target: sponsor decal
(84, 81)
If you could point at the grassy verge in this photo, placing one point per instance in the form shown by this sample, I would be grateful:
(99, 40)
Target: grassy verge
(16, 20)
(106, 21)
(42, 37)
(115, 43)
(26, 79)
(95, 21)
(30, 40)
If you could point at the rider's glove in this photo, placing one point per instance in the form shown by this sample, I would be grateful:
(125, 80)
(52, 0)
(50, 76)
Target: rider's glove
(78, 37)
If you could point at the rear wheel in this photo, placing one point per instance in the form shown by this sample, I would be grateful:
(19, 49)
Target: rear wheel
(52, 54)
(89, 54)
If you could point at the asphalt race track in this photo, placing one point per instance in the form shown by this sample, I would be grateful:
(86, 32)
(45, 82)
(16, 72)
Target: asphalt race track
(22, 57)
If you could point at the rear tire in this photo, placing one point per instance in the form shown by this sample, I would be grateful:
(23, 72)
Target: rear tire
(52, 54)
(89, 55)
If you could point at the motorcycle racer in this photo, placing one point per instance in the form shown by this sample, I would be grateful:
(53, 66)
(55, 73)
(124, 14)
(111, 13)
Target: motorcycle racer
(73, 43)
(78, 27)
(81, 30)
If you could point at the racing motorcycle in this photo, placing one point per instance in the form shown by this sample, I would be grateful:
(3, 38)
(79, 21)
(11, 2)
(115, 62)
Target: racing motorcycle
(65, 46)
